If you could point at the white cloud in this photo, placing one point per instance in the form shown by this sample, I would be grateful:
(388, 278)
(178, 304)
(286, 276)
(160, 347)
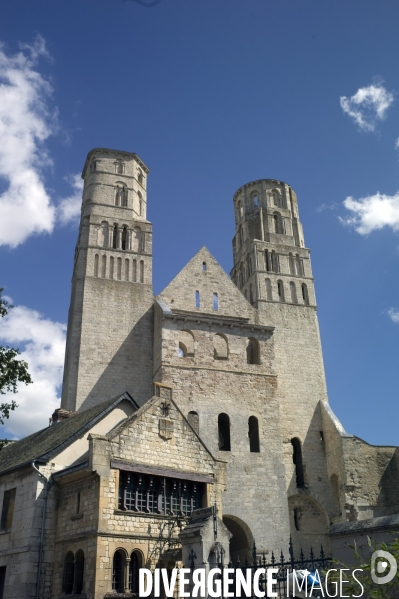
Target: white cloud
(42, 345)
(26, 121)
(68, 210)
(394, 315)
(368, 105)
(372, 213)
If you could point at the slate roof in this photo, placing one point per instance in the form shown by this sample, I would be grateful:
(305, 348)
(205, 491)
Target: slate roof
(44, 444)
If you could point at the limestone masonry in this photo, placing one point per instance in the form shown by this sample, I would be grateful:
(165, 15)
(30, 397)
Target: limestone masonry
(195, 422)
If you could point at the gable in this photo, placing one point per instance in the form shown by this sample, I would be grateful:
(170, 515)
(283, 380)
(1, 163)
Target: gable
(198, 282)
(158, 435)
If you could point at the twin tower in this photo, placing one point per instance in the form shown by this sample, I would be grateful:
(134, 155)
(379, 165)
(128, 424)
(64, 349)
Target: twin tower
(120, 338)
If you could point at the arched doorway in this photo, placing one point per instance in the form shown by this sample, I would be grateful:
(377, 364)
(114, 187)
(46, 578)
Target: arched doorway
(241, 542)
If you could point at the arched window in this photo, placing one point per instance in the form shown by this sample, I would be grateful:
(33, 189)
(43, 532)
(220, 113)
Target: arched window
(197, 299)
(103, 235)
(253, 434)
(79, 570)
(119, 167)
(276, 198)
(305, 295)
(294, 298)
(134, 271)
(127, 268)
(96, 258)
(111, 267)
(299, 266)
(215, 301)
(140, 177)
(278, 223)
(224, 432)
(104, 266)
(275, 262)
(204, 266)
(255, 200)
(220, 347)
(119, 269)
(136, 240)
(141, 271)
(193, 419)
(268, 261)
(239, 208)
(120, 194)
(118, 568)
(69, 571)
(253, 353)
(291, 263)
(135, 565)
(115, 237)
(297, 459)
(280, 288)
(124, 238)
(268, 284)
(186, 344)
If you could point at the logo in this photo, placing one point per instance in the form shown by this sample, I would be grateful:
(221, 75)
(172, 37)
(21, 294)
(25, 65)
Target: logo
(383, 567)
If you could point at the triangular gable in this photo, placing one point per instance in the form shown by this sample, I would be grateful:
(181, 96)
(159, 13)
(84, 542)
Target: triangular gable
(203, 274)
(153, 407)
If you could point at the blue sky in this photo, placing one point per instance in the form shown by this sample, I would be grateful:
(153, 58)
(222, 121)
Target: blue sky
(210, 94)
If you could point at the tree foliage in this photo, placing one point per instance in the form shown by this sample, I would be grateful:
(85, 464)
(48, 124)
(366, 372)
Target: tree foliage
(12, 371)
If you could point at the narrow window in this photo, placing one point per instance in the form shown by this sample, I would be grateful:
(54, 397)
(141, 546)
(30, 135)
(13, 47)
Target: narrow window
(141, 271)
(278, 223)
(193, 419)
(119, 269)
(268, 261)
(111, 267)
(78, 503)
(305, 295)
(220, 347)
(135, 565)
(96, 265)
(141, 211)
(294, 299)
(275, 262)
(204, 266)
(93, 166)
(79, 569)
(127, 267)
(7, 511)
(69, 570)
(134, 271)
(253, 353)
(197, 299)
(268, 290)
(103, 266)
(253, 434)
(118, 572)
(299, 266)
(297, 459)
(124, 238)
(255, 201)
(215, 301)
(291, 264)
(296, 518)
(115, 237)
(140, 177)
(224, 432)
(280, 288)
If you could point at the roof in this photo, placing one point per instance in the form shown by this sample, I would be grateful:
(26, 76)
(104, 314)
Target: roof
(44, 444)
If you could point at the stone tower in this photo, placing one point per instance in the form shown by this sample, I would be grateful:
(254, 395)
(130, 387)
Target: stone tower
(110, 323)
(272, 269)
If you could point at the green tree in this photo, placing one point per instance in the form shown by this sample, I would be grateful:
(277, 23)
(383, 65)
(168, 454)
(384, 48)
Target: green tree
(12, 371)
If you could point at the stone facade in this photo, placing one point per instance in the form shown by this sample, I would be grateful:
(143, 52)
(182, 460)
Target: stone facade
(237, 444)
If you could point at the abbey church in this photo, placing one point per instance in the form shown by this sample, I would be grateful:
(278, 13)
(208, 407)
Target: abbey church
(192, 423)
